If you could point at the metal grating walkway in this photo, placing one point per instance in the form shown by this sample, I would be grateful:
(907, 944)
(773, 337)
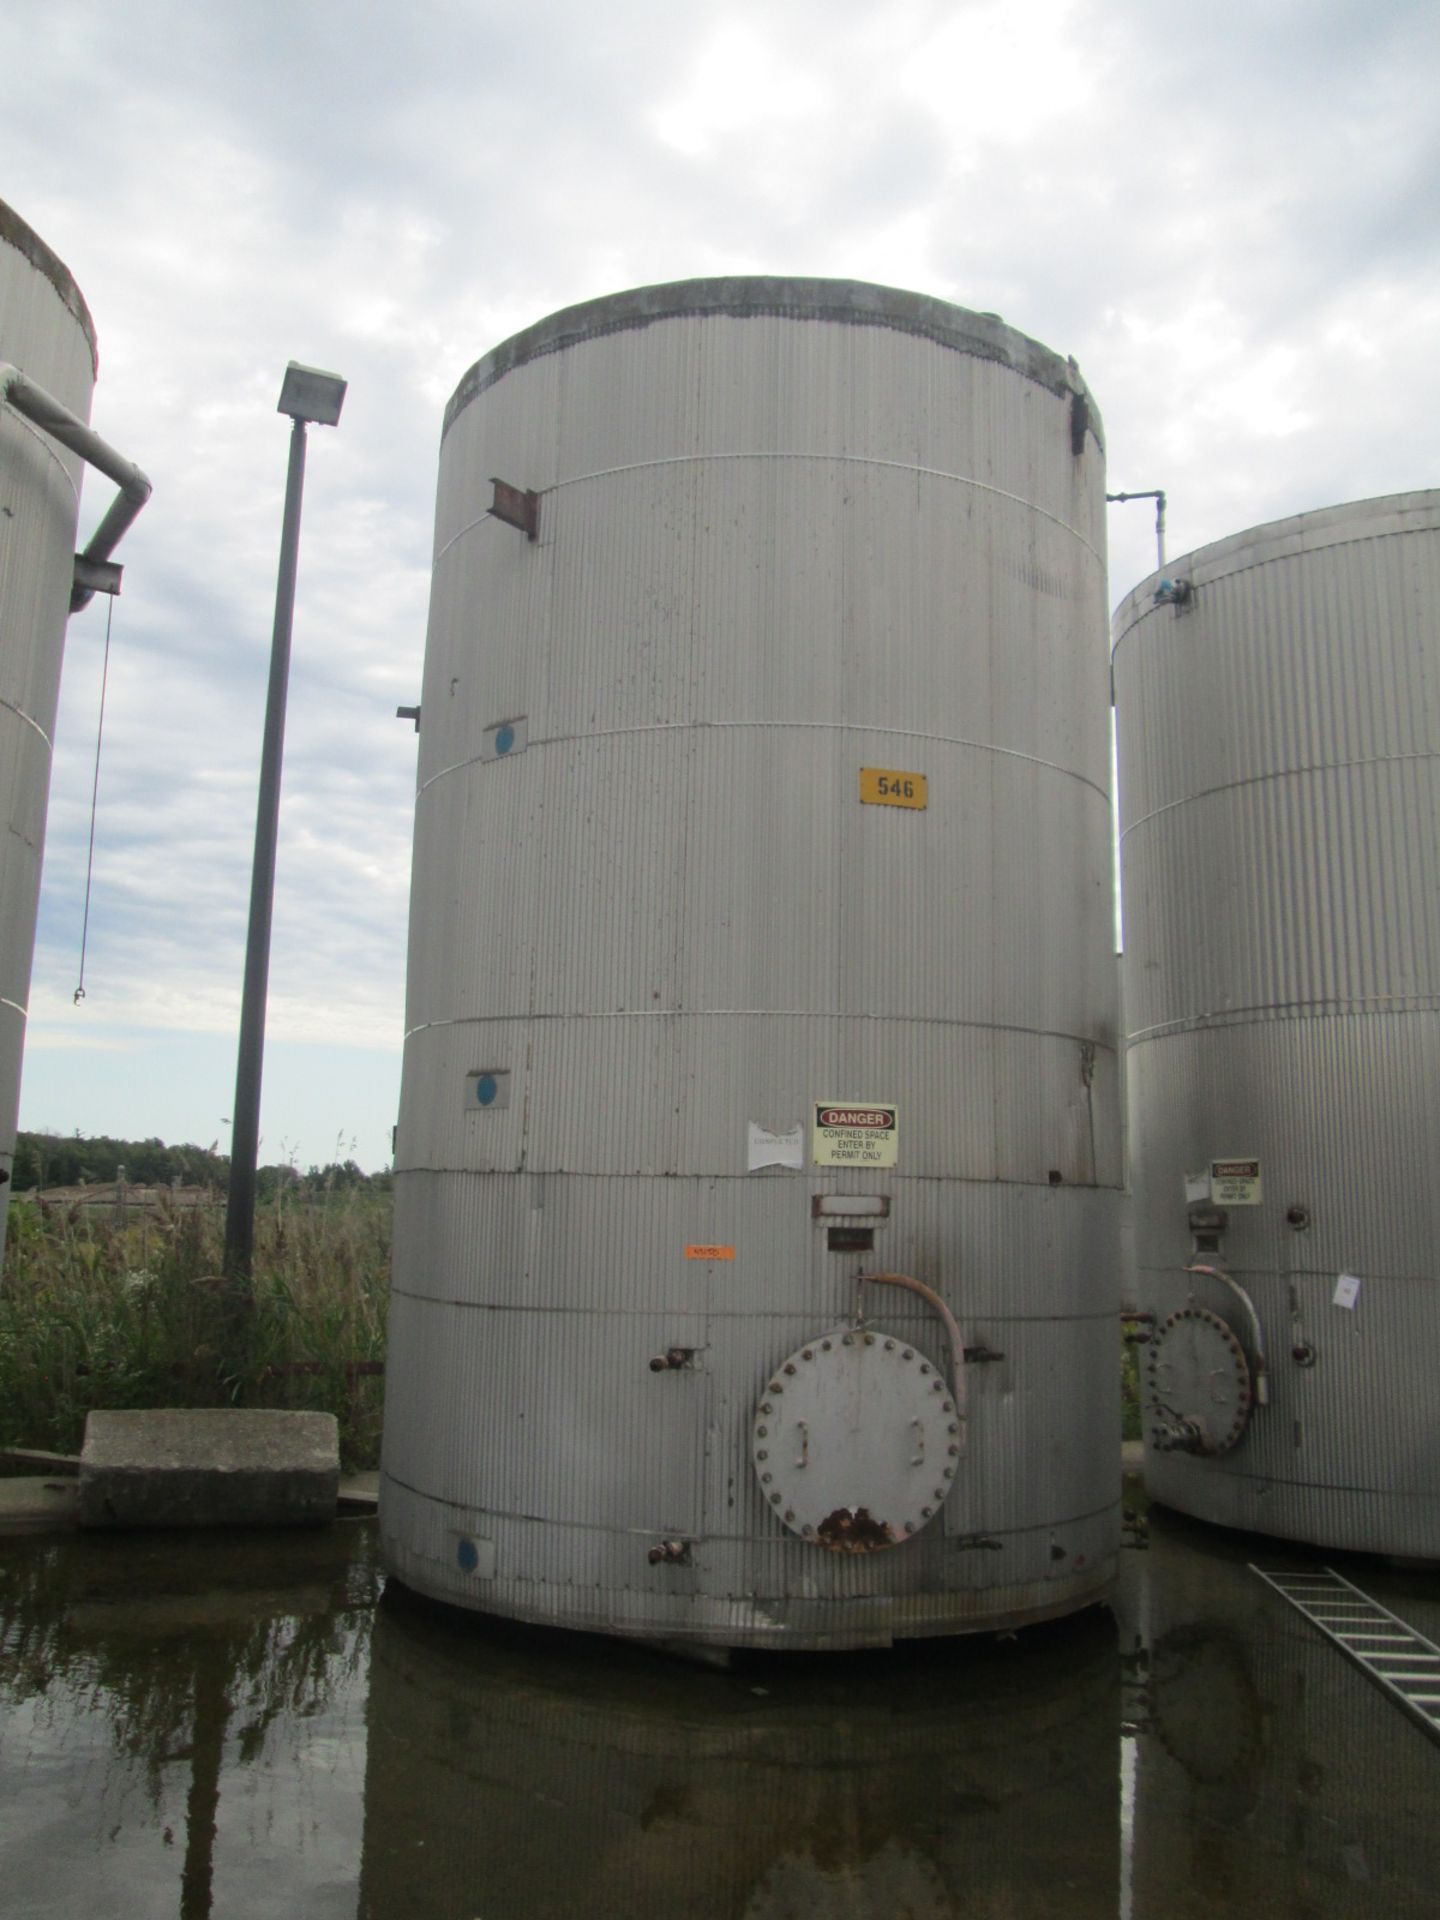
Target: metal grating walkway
(1403, 1662)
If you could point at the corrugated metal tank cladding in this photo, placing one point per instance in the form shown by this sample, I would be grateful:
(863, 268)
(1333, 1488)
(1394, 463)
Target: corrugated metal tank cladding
(787, 531)
(45, 331)
(1280, 805)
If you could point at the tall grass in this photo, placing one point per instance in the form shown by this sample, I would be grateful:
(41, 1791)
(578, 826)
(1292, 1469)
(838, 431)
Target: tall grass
(99, 1310)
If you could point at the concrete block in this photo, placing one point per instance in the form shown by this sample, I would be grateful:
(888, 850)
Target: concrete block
(209, 1467)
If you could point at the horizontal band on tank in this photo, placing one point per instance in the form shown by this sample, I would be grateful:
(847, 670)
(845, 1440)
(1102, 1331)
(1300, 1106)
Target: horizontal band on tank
(1268, 1482)
(570, 1309)
(793, 726)
(764, 1013)
(855, 303)
(1047, 1525)
(1374, 1007)
(20, 714)
(1279, 773)
(957, 1180)
(17, 233)
(1318, 1276)
(831, 459)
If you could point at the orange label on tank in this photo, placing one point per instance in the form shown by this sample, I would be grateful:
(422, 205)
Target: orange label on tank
(709, 1253)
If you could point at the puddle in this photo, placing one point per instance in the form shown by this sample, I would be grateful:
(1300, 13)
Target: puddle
(243, 1726)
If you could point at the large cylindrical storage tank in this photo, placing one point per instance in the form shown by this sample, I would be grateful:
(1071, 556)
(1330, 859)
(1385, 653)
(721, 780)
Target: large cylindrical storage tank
(1278, 704)
(45, 331)
(761, 938)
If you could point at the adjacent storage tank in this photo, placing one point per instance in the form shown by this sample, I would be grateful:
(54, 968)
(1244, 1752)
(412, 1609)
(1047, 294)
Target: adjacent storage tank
(761, 940)
(45, 331)
(1279, 724)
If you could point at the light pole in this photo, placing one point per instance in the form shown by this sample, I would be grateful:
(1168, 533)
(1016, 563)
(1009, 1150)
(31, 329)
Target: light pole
(306, 395)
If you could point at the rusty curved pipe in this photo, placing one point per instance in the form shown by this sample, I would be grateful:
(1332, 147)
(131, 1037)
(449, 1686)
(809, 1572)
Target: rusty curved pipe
(952, 1329)
(1257, 1335)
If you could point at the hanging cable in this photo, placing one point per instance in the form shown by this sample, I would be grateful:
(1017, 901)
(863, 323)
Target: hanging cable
(94, 800)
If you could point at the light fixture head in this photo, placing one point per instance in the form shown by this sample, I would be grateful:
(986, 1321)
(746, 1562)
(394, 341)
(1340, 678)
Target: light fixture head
(310, 394)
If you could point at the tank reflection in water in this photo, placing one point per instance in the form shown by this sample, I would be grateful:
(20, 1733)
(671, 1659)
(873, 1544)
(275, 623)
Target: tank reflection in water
(1265, 1774)
(547, 1778)
(230, 1727)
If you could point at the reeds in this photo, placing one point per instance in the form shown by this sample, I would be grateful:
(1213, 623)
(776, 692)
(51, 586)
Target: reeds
(104, 1308)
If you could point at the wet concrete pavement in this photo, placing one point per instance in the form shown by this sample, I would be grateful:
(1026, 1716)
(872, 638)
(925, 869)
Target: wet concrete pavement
(232, 1725)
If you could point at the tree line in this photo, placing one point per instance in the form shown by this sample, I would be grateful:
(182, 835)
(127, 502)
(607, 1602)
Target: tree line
(80, 1160)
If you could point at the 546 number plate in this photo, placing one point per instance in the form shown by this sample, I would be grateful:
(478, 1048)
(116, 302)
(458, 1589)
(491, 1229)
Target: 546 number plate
(886, 787)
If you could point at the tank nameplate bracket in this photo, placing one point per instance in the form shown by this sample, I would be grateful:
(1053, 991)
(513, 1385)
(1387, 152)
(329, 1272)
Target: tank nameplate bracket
(856, 1440)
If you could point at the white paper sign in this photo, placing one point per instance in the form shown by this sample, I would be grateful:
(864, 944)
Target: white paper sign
(1347, 1291)
(1197, 1187)
(768, 1149)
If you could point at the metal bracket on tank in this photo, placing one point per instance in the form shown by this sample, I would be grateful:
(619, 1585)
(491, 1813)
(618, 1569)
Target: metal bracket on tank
(516, 507)
(96, 576)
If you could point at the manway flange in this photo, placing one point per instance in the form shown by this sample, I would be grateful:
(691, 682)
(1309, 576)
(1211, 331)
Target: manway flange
(1200, 1389)
(856, 1440)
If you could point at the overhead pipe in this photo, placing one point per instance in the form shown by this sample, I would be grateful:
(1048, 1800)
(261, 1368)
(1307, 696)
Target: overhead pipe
(43, 410)
(952, 1330)
(1157, 494)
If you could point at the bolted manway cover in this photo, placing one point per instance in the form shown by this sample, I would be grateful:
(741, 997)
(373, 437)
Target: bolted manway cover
(856, 1440)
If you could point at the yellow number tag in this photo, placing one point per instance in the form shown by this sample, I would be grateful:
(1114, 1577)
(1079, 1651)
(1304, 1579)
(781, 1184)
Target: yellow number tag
(885, 787)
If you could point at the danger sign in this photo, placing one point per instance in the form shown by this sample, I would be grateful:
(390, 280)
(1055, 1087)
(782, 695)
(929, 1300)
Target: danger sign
(1235, 1183)
(855, 1133)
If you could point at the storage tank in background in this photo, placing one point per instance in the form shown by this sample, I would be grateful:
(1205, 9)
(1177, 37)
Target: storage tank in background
(1278, 703)
(761, 939)
(45, 331)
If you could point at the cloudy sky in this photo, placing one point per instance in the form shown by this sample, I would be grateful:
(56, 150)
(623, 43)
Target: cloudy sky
(1229, 213)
